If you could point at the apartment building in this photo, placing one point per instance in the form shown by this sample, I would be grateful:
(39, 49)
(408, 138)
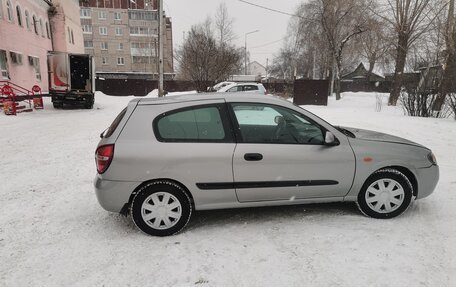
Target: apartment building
(122, 35)
(29, 29)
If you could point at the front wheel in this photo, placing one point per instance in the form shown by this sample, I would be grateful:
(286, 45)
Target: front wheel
(161, 208)
(386, 194)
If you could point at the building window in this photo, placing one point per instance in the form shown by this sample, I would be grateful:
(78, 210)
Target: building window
(27, 19)
(104, 45)
(19, 15)
(69, 35)
(120, 46)
(35, 27)
(35, 62)
(103, 31)
(142, 15)
(119, 31)
(48, 30)
(16, 58)
(138, 31)
(142, 49)
(41, 28)
(102, 15)
(3, 65)
(120, 61)
(87, 29)
(72, 37)
(9, 11)
(88, 44)
(116, 15)
(104, 60)
(141, 60)
(85, 13)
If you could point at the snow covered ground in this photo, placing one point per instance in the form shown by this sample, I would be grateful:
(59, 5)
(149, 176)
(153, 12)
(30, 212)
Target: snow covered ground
(54, 233)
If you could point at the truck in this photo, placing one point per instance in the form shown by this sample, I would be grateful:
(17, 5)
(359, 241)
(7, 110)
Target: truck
(71, 79)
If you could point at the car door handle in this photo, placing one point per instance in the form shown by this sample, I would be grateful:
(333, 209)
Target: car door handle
(253, 156)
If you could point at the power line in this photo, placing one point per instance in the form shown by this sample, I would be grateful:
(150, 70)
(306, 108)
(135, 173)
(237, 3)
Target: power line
(270, 9)
(275, 10)
(267, 44)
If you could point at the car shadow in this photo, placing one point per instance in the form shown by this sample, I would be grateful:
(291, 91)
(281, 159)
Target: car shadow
(226, 217)
(201, 220)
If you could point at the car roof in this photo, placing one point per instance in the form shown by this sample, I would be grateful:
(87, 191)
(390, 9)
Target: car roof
(228, 97)
(245, 83)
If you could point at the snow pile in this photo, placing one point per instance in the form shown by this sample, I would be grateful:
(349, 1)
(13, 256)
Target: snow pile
(152, 94)
(54, 233)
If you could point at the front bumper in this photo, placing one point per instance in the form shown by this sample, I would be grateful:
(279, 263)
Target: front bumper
(427, 180)
(113, 195)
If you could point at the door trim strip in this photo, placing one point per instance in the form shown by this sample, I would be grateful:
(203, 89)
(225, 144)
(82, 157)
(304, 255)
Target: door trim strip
(264, 184)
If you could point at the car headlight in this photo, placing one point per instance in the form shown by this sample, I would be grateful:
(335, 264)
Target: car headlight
(431, 158)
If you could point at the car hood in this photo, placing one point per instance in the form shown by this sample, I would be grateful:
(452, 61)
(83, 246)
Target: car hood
(379, 137)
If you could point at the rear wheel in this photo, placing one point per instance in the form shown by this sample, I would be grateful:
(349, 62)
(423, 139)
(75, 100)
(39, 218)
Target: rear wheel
(161, 208)
(385, 194)
(89, 102)
(88, 105)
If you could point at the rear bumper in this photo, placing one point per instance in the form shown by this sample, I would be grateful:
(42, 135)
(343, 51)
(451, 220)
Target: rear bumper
(72, 97)
(113, 195)
(427, 180)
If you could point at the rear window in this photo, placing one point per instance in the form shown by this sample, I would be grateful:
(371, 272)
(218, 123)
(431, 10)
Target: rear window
(114, 124)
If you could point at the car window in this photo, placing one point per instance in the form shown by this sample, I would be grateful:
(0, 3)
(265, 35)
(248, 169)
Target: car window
(250, 88)
(273, 124)
(198, 124)
(235, 89)
(114, 124)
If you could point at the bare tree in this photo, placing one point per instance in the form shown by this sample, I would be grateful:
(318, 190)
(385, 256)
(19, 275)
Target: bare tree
(448, 85)
(321, 34)
(224, 25)
(341, 21)
(374, 43)
(202, 60)
(409, 19)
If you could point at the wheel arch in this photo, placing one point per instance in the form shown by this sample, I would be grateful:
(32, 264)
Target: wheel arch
(126, 209)
(405, 171)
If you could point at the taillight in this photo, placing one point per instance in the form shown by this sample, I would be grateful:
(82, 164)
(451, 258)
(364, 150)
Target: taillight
(103, 157)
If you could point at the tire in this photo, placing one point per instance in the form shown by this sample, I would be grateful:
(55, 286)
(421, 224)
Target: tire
(386, 194)
(89, 105)
(161, 208)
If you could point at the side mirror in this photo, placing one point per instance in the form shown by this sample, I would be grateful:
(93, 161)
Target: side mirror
(330, 139)
(279, 119)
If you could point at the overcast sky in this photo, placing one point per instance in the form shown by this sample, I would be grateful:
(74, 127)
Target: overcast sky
(247, 18)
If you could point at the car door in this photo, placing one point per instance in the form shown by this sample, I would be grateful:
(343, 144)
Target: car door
(281, 155)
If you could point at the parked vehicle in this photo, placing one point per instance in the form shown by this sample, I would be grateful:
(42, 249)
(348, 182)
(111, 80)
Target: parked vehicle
(243, 87)
(163, 158)
(71, 79)
(218, 86)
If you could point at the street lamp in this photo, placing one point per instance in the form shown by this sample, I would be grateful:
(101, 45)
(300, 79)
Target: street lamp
(245, 50)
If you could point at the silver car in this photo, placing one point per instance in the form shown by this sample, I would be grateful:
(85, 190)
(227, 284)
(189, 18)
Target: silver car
(163, 158)
(243, 87)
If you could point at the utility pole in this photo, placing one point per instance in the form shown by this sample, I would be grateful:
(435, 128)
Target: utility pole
(161, 39)
(245, 50)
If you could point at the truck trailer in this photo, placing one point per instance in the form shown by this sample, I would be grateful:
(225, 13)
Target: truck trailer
(71, 79)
